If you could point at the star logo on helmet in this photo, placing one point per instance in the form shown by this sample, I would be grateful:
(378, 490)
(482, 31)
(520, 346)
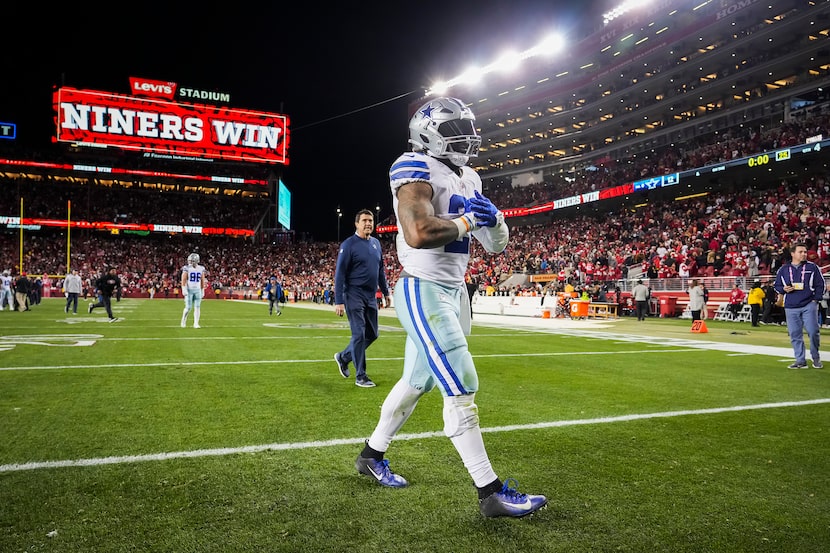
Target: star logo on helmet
(427, 111)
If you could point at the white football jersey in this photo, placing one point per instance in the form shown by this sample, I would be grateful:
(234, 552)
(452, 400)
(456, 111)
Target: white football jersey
(446, 264)
(195, 276)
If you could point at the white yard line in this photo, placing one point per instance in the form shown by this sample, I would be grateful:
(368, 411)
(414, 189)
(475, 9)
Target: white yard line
(117, 460)
(326, 360)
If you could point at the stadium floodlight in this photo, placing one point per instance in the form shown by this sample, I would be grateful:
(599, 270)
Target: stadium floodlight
(507, 62)
(626, 6)
(471, 76)
(439, 89)
(552, 44)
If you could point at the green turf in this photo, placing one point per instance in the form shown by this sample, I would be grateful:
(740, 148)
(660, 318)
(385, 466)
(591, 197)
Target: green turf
(558, 410)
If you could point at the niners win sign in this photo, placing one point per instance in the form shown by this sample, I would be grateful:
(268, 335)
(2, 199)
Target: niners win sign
(163, 127)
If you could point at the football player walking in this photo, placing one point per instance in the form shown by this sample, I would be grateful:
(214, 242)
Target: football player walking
(193, 289)
(438, 204)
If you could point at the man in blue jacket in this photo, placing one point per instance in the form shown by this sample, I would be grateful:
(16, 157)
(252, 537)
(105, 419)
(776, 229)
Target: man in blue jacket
(357, 276)
(802, 285)
(273, 292)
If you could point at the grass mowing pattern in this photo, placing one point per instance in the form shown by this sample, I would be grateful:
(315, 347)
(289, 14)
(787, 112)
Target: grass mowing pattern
(754, 481)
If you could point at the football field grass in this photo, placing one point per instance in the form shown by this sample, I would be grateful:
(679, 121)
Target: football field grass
(241, 436)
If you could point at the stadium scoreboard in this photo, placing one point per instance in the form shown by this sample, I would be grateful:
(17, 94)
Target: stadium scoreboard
(162, 127)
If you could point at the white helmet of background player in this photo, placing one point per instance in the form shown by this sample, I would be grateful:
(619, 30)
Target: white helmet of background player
(193, 259)
(445, 128)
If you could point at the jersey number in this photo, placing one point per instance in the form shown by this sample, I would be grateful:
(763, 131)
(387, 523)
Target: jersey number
(194, 277)
(457, 205)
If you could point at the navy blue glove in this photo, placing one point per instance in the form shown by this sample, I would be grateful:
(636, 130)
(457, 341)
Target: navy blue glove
(485, 212)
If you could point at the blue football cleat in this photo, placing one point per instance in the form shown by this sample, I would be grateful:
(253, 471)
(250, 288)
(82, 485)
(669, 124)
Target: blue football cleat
(510, 503)
(380, 471)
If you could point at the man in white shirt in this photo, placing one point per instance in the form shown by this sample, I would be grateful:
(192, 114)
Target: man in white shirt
(640, 293)
(72, 285)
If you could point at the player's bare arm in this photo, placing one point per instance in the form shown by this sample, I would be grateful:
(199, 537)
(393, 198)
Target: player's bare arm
(417, 220)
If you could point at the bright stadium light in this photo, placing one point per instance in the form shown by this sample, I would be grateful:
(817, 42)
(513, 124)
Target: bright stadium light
(622, 9)
(507, 62)
(552, 44)
(439, 89)
(471, 76)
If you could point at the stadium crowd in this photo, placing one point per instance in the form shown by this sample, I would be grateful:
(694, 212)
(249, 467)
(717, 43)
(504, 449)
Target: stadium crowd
(743, 233)
(48, 200)
(736, 144)
(729, 232)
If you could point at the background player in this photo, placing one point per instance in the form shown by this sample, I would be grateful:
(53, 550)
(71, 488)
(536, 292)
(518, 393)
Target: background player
(6, 293)
(439, 205)
(193, 288)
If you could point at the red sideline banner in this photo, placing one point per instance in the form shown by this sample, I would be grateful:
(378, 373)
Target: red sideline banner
(169, 128)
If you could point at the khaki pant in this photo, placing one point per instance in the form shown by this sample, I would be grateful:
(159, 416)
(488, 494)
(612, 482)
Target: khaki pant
(22, 301)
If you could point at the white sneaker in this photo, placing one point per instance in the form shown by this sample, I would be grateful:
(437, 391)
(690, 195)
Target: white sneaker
(196, 326)
(184, 325)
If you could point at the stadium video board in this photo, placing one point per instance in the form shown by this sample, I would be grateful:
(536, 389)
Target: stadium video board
(169, 129)
(284, 206)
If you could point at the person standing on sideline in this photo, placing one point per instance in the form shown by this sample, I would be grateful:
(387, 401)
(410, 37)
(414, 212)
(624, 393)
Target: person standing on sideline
(22, 288)
(696, 302)
(705, 314)
(736, 301)
(472, 290)
(357, 276)
(45, 287)
(193, 287)
(769, 302)
(273, 292)
(801, 283)
(106, 285)
(73, 285)
(640, 293)
(438, 205)
(755, 299)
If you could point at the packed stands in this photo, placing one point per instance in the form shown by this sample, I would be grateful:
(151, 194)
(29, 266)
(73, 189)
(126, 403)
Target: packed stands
(692, 87)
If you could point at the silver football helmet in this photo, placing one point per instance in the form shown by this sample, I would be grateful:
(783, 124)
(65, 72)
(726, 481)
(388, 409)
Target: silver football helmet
(193, 259)
(445, 128)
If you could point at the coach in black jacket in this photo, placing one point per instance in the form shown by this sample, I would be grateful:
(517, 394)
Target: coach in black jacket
(107, 285)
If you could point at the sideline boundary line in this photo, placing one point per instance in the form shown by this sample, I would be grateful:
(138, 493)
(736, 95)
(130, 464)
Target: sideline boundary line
(36, 465)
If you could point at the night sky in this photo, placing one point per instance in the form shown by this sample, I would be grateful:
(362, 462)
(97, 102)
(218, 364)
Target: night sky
(334, 71)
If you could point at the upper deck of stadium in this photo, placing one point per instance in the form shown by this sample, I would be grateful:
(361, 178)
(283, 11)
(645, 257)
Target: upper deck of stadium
(660, 76)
